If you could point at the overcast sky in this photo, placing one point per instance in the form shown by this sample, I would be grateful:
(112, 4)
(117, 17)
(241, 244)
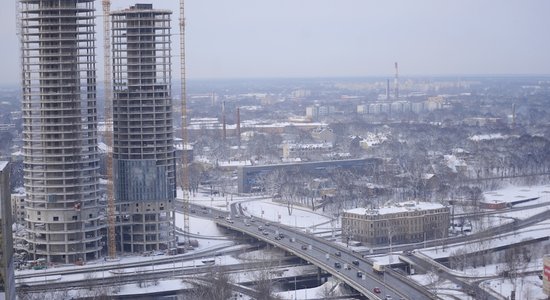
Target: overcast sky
(325, 38)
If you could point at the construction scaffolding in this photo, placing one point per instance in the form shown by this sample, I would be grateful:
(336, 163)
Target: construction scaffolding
(61, 156)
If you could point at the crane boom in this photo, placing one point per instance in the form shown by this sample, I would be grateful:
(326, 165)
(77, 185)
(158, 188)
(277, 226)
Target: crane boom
(108, 89)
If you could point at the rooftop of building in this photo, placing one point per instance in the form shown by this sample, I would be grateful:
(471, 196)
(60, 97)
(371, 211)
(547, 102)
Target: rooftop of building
(396, 208)
(3, 164)
(140, 7)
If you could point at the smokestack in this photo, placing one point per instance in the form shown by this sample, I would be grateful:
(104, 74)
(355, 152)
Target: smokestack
(396, 83)
(513, 115)
(239, 126)
(223, 121)
(388, 89)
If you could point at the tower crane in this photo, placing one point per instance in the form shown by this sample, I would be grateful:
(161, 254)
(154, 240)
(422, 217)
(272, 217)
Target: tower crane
(185, 167)
(108, 89)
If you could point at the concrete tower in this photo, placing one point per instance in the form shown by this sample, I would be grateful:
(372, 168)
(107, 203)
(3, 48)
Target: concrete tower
(61, 163)
(7, 277)
(143, 151)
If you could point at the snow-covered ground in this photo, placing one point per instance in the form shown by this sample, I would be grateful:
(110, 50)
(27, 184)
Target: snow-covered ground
(210, 237)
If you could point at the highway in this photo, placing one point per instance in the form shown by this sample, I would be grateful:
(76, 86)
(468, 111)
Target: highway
(322, 253)
(391, 283)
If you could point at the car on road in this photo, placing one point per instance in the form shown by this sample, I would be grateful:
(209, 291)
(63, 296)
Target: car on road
(388, 297)
(267, 224)
(265, 232)
(304, 247)
(359, 274)
(281, 235)
(338, 253)
(355, 262)
(376, 290)
(260, 228)
(337, 265)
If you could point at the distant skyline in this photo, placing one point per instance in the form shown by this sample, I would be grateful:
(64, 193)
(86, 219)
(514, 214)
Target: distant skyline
(328, 38)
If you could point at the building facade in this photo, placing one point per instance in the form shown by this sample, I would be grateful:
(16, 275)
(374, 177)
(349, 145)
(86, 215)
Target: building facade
(18, 208)
(61, 163)
(402, 223)
(143, 150)
(7, 277)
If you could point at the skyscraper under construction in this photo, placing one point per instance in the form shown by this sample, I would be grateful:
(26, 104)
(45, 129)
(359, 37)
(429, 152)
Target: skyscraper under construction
(61, 163)
(143, 151)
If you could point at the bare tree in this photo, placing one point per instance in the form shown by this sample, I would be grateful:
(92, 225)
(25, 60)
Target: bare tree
(88, 280)
(215, 285)
(264, 284)
(458, 259)
(328, 290)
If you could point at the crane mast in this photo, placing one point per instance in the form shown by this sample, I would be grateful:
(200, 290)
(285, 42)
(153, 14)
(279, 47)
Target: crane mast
(185, 167)
(108, 137)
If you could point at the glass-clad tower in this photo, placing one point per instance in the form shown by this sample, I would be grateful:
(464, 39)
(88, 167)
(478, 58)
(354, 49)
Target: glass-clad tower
(143, 149)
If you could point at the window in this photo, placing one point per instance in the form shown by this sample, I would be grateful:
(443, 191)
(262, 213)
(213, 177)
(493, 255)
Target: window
(75, 218)
(56, 218)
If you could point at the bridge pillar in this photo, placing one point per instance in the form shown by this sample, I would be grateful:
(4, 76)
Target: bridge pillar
(319, 278)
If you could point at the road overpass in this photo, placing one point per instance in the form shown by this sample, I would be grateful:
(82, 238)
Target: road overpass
(334, 259)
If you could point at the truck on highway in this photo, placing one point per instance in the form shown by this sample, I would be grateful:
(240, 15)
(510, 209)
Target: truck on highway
(378, 268)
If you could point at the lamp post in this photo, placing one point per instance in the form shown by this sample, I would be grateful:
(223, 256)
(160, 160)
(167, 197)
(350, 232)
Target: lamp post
(295, 296)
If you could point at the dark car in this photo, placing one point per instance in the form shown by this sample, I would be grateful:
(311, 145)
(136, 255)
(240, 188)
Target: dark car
(338, 253)
(337, 265)
(355, 262)
(304, 247)
(359, 274)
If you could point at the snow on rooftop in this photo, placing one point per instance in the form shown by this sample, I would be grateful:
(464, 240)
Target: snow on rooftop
(453, 162)
(484, 137)
(397, 208)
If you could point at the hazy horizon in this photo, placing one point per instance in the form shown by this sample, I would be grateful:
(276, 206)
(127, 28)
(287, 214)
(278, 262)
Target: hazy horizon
(244, 39)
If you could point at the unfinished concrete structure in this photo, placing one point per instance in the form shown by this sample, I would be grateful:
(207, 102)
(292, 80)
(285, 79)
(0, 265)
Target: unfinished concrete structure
(143, 138)
(61, 162)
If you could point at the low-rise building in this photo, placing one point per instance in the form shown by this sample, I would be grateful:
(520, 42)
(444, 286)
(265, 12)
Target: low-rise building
(304, 151)
(401, 223)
